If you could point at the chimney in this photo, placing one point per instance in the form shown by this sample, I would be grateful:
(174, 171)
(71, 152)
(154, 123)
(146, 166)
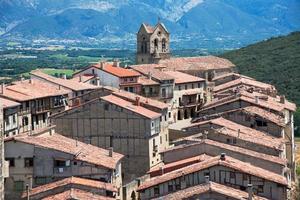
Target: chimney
(80, 78)
(2, 88)
(223, 156)
(116, 63)
(239, 131)
(31, 81)
(22, 79)
(206, 179)
(256, 99)
(102, 64)
(137, 101)
(110, 151)
(250, 191)
(64, 76)
(282, 99)
(149, 75)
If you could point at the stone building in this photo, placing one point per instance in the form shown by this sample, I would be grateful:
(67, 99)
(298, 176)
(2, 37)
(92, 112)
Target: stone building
(152, 44)
(114, 120)
(73, 87)
(37, 99)
(73, 188)
(111, 74)
(10, 117)
(222, 169)
(46, 156)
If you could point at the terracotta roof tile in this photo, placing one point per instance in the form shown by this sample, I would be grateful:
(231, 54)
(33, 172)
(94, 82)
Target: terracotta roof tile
(152, 70)
(77, 194)
(81, 151)
(208, 188)
(147, 81)
(84, 78)
(196, 63)
(116, 71)
(6, 103)
(130, 106)
(230, 74)
(67, 83)
(233, 129)
(229, 162)
(72, 181)
(181, 77)
(31, 89)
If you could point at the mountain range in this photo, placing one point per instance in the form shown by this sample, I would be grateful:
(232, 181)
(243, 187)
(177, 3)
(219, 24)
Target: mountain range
(106, 23)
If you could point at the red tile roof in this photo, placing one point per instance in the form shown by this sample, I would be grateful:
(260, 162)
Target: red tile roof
(243, 81)
(130, 106)
(66, 83)
(233, 129)
(77, 194)
(116, 71)
(153, 70)
(147, 81)
(81, 151)
(230, 74)
(72, 181)
(201, 63)
(6, 103)
(181, 77)
(83, 78)
(229, 162)
(31, 89)
(198, 142)
(210, 187)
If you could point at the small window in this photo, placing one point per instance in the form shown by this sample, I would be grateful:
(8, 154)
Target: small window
(11, 161)
(152, 124)
(106, 106)
(28, 162)
(14, 119)
(199, 85)
(60, 163)
(75, 163)
(232, 175)
(156, 190)
(169, 114)
(19, 186)
(260, 188)
(170, 187)
(186, 87)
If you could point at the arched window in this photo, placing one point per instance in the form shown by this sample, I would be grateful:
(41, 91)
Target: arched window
(156, 43)
(144, 47)
(163, 44)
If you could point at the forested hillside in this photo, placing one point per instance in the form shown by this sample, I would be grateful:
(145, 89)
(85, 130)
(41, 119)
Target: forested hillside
(275, 61)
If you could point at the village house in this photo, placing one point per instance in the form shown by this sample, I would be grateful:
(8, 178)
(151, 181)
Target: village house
(74, 87)
(73, 188)
(10, 117)
(37, 99)
(222, 169)
(45, 156)
(114, 120)
(111, 74)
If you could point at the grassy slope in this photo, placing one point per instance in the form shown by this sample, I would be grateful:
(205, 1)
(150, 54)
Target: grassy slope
(275, 61)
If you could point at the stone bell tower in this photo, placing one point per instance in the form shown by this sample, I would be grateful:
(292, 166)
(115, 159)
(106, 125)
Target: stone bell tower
(153, 44)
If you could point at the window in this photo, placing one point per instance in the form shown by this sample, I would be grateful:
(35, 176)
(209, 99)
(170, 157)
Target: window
(14, 119)
(28, 162)
(19, 186)
(61, 163)
(261, 123)
(131, 79)
(169, 114)
(199, 85)
(185, 86)
(163, 44)
(192, 86)
(25, 121)
(75, 163)
(156, 190)
(260, 188)
(170, 187)
(44, 117)
(179, 87)
(93, 71)
(163, 92)
(11, 161)
(232, 175)
(106, 106)
(156, 43)
(27, 104)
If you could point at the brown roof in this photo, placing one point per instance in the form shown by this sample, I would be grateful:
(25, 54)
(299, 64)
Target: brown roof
(72, 181)
(153, 71)
(181, 77)
(67, 83)
(130, 106)
(208, 188)
(230, 74)
(31, 89)
(77, 194)
(116, 71)
(233, 129)
(83, 78)
(6, 103)
(149, 28)
(243, 81)
(147, 81)
(247, 152)
(196, 63)
(229, 162)
(267, 102)
(81, 151)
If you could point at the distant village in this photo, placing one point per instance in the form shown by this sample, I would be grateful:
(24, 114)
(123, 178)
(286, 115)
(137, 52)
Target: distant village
(164, 128)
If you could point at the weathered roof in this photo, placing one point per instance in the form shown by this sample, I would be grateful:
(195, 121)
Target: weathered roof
(198, 142)
(243, 81)
(181, 77)
(67, 83)
(31, 89)
(71, 181)
(208, 188)
(153, 71)
(241, 132)
(81, 151)
(229, 162)
(83, 78)
(116, 71)
(147, 81)
(6, 103)
(78, 195)
(230, 74)
(201, 63)
(130, 106)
